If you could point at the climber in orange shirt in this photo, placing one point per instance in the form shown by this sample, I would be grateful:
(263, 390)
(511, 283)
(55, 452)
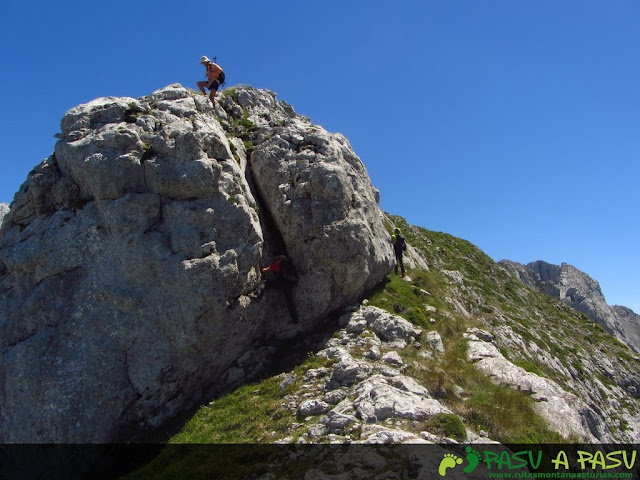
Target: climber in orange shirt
(215, 78)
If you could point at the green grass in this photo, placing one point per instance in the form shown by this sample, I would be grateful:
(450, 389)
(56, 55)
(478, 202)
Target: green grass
(248, 146)
(505, 414)
(245, 123)
(244, 416)
(243, 128)
(447, 425)
(250, 414)
(400, 297)
(230, 92)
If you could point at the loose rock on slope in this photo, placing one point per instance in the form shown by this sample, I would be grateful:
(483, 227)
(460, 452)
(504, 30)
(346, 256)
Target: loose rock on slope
(358, 393)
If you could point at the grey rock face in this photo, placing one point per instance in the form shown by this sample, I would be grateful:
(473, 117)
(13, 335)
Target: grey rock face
(312, 407)
(629, 322)
(565, 412)
(4, 209)
(578, 290)
(379, 435)
(320, 198)
(434, 340)
(378, 399)
(129, 261)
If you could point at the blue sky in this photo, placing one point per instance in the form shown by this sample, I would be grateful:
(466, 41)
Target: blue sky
(514, 124)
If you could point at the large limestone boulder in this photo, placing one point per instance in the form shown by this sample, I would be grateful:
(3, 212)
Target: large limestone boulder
(320, 199)
(129, 263)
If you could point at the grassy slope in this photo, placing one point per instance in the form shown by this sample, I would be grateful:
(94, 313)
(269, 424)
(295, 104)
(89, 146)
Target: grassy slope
(495, 299)
(254, 413)
(507, 415)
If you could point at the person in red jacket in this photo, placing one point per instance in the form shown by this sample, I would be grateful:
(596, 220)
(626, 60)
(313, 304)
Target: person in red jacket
(215, 78)
(285, 277)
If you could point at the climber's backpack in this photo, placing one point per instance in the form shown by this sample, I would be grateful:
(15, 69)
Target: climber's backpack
(400, 243)
(220, 78)
(288, 271)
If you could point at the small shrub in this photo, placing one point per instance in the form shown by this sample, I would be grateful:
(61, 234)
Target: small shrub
(231, 92)
(147, 152)
(447, 425)
(244, 122)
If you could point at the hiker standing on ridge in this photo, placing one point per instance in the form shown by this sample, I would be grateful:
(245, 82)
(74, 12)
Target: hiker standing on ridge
(399, 246)
(215, 78)
(285, 277)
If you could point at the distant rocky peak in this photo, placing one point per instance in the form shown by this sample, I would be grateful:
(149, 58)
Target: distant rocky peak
(568, 278)
(577, 289)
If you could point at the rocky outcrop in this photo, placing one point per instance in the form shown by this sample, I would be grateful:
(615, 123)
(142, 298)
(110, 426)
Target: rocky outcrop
(565, 412)
(365, 393)
(629, 322)
(4, 209)
(578, 290)
(364, 396)
(599, 391)
(319, 197)
(129, 260)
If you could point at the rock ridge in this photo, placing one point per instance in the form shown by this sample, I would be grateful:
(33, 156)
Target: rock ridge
(577, 289)
(130, 290)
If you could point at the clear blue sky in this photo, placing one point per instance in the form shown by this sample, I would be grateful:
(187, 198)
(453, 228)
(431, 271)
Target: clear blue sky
(514, 124)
